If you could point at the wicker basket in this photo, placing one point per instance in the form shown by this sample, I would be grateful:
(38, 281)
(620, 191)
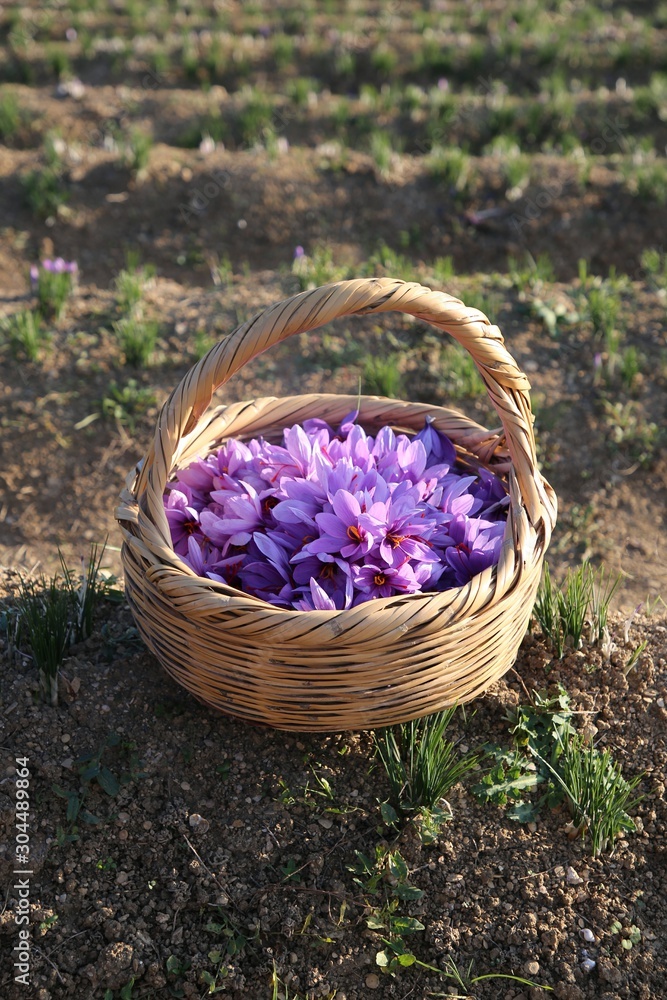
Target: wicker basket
(390, 659)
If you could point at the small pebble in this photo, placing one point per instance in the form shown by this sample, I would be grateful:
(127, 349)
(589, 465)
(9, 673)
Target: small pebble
(587, 935)
(571, 877)
(532, 968)
(372, 981)
(588, 965)
(198, 822)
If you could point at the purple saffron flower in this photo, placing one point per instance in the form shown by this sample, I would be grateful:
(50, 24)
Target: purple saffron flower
(269, 575)
(299, 252)
(183, 520)
(34, 276)
(439, 449)
(329, 520)
(491, 493)
(385, 581)
(318, 600)
(476, 546)
(404, 531)
(196, 561)
(347, 530)
(199, 477)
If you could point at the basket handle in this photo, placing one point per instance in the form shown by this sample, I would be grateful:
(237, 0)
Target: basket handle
(507, 386)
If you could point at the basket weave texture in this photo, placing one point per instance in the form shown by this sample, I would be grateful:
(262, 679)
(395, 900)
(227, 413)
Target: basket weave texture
(390, 659)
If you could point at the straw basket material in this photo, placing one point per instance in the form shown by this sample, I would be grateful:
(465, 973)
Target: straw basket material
(390, 659)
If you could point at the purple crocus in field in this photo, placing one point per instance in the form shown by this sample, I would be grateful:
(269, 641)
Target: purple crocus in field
(60, 266)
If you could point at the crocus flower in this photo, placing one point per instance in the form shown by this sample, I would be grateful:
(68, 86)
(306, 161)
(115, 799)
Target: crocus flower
(346, 530)
(318, 599)
(476, 546)
(183, 519)
(328, 520)
(383, 581)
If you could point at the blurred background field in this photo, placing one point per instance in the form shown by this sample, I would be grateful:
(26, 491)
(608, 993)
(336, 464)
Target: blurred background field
(180, 153)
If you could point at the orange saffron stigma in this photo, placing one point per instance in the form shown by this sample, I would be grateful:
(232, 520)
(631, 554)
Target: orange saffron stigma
(379, 579)
(395, 540)
(354, 533)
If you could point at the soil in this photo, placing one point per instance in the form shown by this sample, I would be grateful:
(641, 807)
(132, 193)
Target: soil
(220, 833)
(219, 838)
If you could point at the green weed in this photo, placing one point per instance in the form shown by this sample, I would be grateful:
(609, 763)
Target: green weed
(629, 429)
(318, 268)
(137, 150)
(137, 338)
(531, 272)
(648, 180)
(633, 659)
(442, 269)
(384, 260)
(44, 190)
(598, 795)
(547, 751)
(44, 619)
(382, 376)
(421, 765)
(453, 166)
(126, 404)
(382, 153)
(580, 607)
(554, 315)
(25, 334)
(654, 266)
(130, 284)
(10, 116)
(459, 375)
(255, 118)
(53, 290)
(86, 590)
(465, 980)
(93, 772)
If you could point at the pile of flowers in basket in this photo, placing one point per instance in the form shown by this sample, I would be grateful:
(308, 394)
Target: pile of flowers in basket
(328, 520)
